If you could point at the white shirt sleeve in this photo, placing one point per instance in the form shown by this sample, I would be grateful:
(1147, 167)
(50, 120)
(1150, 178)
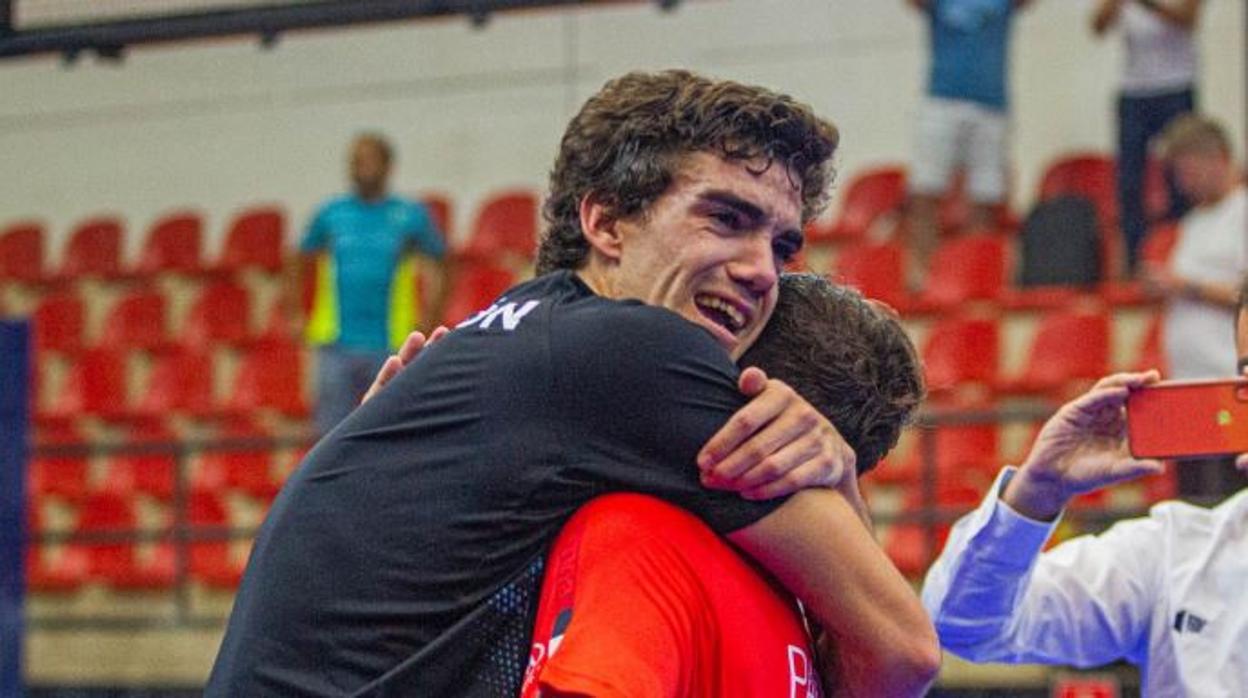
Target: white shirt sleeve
(995, 597)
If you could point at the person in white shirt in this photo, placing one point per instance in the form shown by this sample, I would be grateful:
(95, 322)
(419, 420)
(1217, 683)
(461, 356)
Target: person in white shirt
(1164, 592)
(1157, 84)
(1199, 283)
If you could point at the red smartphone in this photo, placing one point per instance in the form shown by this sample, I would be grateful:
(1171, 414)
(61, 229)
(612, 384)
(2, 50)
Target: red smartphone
(1188, 419)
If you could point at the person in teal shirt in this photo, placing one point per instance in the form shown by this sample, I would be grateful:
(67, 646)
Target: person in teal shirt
(363, 246)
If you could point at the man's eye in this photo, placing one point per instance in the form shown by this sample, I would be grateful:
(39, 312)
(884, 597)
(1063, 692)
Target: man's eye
(726, 218)
(785, 250)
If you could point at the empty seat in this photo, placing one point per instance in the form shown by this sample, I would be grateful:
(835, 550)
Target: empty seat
(506, 226)
(1069, 348)
(965, 268)
(875, 269)
(255, 239)
(122, 563)
(136, 321)
(48, 571)
(242, 461)
(474, 287)
(959, 350)
(94, 249)
(221, 313)
(270, 376)
(58, 322)
(173, 245)
(152, 468)
(94, 385)
(62, 475)
(181, 381)
(209, 559)
(870, 195)
(21, 252)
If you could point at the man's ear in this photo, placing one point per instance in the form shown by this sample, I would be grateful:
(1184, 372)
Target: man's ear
(601, 229)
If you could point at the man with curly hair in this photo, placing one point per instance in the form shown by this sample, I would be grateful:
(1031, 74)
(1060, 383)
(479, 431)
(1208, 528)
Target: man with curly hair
(642, 598)
(404, 555)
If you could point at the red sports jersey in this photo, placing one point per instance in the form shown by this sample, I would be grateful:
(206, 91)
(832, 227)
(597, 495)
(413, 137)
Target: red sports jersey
(640, 598)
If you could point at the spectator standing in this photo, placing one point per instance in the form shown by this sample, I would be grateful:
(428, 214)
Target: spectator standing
(364, 303)
(963, 120)
(1158, 83)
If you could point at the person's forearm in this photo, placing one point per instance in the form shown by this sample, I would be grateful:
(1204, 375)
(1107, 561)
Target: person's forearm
(869, 610)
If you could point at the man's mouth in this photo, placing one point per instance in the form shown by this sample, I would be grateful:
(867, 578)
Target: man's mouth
(721, 312)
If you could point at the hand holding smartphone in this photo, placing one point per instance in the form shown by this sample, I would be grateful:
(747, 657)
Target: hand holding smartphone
(1188, 419)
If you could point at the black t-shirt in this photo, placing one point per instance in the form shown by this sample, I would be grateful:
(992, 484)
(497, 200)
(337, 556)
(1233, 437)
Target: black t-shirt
(405, 555)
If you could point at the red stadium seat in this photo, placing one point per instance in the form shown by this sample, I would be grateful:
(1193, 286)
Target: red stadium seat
(255, 239)
(21, 252)
(153, 473)
(63, 476)
(505, 226)
(173, 245)
(121, 564)
(270, 377)
(964, 268)
(180, 381)
(58, 323)
(875, 269)
(870, 195)
(1069, 347)
(47, 572)
(95, 385)
(244, 463)
(474, 287)
(209, 561)
(94, 249)
(136, 321)
(960, 350)
(220, 314)
(1091, 175)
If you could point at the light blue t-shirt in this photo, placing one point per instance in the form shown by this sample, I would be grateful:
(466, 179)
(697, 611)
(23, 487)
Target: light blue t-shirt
(366, 241)
(970, 50)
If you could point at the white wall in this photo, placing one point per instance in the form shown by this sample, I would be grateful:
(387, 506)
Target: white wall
(224, 124)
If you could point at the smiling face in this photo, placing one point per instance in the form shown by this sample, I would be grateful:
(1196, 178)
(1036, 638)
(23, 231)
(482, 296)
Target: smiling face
(710, 248)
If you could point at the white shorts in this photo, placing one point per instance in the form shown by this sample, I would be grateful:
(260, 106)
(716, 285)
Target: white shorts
(953, 134)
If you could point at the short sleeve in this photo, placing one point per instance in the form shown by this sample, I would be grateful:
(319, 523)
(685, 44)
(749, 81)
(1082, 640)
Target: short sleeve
(316, 237)
(640, 391)
(424, 234)
(636, 619)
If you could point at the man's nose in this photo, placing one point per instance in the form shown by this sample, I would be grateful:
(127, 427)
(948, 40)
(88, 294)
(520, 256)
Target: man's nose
(755, 266)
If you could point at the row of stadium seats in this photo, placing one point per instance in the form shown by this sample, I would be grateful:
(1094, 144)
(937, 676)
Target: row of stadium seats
(256, 237)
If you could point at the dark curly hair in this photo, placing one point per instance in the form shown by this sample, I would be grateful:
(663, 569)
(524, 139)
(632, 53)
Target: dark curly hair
(850, 359)
(627, 142)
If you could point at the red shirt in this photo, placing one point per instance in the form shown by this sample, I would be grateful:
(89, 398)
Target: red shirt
(641, 598)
